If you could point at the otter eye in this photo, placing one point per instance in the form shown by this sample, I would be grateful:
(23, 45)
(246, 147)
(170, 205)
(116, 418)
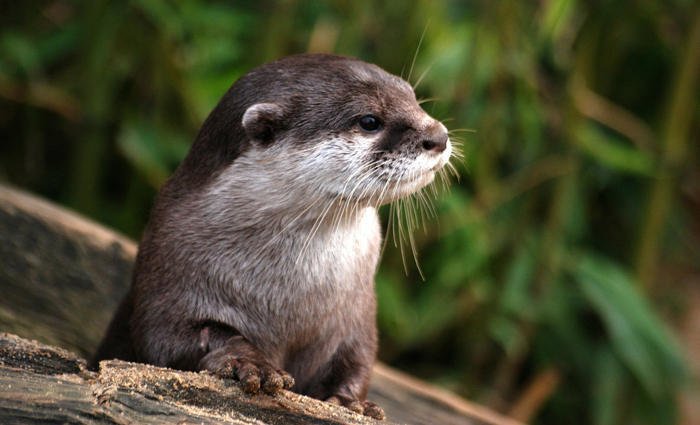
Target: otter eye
(370, 124)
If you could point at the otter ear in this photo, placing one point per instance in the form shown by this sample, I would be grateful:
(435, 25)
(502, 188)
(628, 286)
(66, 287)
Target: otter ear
(262, 120)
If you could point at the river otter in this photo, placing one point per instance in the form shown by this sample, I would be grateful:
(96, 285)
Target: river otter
(259, 257)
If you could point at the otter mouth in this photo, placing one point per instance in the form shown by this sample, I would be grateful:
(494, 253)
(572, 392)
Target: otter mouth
(412, 182)
(429, 174)
(397, 181)
(420, 181)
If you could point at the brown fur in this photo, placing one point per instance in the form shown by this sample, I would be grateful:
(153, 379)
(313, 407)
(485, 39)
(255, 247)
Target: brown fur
(245, 276)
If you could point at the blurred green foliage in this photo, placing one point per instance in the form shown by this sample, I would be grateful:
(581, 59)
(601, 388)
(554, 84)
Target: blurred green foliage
(548, 264)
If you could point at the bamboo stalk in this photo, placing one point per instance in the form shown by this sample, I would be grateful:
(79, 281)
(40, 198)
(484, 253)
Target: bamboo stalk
(98, 97)
(675, 145)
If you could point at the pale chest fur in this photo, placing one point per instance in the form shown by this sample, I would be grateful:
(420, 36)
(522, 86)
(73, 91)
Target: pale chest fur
(283, 267)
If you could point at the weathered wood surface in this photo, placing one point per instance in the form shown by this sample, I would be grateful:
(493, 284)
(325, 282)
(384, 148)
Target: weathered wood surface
(44, 384)
(62, 276)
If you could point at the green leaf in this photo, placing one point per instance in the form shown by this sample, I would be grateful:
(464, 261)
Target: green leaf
(608, 383)
(560, 312)
(557, 18)
(613, 153)
(507, 333)
(394, 312)
(151, 150)
(637, 335)
(21, 52)
(516, 298)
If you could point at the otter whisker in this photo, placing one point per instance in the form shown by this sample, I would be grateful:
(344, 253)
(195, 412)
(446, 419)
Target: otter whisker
(401, 232)
(354, 207)
(315, 149)
(325, 211)
(429, 204)
(426, 207)
(459, 158)
(406, 221)
(428, 201)
(456, 140)
(314, 229)
(386, 185)
(420, 211)
(388, 229)
(413, 245)
(362, 195)
(433, 190)
(443, 181)
(457, 145)
(395, 203)
(287, 226)
(340, 212)
(349, 207)
(452, 170)
(428, 69)
(428, 99)
(435, 215)
(424, 210)
(413, 217)
(391, 210)
(420, 42)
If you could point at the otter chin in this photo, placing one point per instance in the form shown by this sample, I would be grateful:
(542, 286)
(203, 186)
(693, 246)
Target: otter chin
(259, 256)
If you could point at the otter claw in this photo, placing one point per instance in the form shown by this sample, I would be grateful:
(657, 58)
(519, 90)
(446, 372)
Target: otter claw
(256, 376)
(273, 384)
(287, 380)
(366, 408)
(356, 407)
(373, 410)
(251, 384)
(333, 400)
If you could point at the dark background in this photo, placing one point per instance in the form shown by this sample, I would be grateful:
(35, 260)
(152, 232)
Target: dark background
(562, 273)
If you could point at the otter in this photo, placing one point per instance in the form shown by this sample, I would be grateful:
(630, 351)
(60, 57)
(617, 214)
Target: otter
(259, 256)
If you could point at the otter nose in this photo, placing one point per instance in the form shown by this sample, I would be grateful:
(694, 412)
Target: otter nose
(437, 143)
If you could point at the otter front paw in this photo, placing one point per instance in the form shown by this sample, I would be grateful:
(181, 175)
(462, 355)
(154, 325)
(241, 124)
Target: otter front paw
(366, 407)
(373, 410)
(254, 374)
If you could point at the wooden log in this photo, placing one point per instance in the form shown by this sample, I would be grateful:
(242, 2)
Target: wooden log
(61, 278)
(44, 384)
(61, 275)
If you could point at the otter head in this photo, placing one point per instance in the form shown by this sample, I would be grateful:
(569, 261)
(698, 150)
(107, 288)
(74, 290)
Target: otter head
(328, 126)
